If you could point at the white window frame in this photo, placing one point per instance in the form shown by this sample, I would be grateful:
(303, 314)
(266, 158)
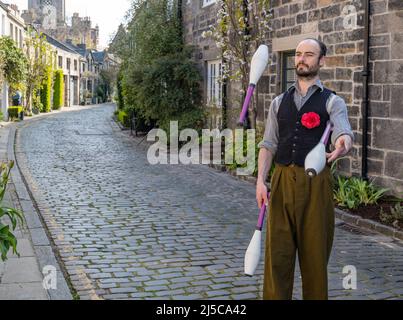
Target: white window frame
(214, 88)
(208, 2)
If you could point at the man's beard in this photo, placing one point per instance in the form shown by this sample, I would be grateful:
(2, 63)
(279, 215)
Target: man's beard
(309, 73)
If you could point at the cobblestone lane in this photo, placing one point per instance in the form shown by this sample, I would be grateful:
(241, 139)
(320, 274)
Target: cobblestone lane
(126, 229)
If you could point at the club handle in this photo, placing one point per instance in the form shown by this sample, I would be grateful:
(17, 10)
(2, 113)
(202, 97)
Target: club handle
(262, 214)
(245, 107)
(326, 134)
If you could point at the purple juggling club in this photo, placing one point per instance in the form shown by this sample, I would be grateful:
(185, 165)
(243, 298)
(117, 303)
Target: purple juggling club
(259, 62)
(252, 255)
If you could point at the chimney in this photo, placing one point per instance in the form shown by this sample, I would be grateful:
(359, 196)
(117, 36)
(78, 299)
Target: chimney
(69, 41)
(82, 46)
(14, 7)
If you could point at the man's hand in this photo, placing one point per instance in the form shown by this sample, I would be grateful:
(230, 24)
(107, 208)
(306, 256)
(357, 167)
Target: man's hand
(343, 145)
(261, 194)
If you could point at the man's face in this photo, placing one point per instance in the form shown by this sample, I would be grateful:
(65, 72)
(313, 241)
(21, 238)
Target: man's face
(307, 61)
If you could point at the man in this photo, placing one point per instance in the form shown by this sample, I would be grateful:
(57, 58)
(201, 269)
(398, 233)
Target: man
(301, 215)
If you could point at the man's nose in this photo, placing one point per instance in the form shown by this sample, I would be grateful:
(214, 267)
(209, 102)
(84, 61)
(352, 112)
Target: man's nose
(300, 59)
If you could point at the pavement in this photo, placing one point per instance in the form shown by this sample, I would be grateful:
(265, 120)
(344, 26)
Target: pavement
(120, 228)
(20, 277)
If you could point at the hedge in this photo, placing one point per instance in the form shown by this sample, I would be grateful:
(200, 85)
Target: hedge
(58, 90)
(46, 91)
(123, 118)
(14, 112)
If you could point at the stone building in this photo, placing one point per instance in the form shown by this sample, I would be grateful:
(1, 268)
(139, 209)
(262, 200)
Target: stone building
(50, 16)
(69, 61)
(341, 24)
(198, 15)
(12, 25)
(48, 9)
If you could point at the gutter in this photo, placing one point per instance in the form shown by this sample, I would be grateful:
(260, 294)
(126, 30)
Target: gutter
(365, 98)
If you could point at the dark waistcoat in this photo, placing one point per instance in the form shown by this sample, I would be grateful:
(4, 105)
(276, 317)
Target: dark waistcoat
(295, 140)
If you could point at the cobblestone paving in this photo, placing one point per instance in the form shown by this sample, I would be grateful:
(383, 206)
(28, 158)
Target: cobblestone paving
(129, 230)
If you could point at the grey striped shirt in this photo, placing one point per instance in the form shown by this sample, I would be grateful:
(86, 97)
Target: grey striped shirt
(335, 106)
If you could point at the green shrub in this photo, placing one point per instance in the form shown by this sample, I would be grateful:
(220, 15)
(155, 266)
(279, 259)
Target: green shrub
(120, 96)
(46, 90)
(14, 112)
(36, 102)
(123, 118)
(58, 90)
(7, 238)
(236, 165)
(354, 192)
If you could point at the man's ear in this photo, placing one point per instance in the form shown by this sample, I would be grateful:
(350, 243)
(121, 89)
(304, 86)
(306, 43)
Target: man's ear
(322, 61)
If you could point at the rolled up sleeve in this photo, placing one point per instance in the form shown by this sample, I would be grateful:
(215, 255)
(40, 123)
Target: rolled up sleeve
(339, 117)
(270, 139)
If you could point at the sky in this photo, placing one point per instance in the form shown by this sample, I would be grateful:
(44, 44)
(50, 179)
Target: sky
(107, 14)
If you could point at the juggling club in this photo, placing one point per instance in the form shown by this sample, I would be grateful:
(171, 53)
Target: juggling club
(259, 63)
(252, 255)
(315, 161)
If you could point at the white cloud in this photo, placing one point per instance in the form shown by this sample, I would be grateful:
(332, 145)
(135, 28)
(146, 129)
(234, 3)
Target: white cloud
(107, 14)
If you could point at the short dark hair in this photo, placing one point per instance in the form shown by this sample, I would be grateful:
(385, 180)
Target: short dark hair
(322, 46)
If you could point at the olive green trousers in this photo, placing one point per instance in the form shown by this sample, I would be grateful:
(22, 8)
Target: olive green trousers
(300, 220)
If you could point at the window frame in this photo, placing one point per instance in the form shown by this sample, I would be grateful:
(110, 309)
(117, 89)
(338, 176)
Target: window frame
(285, 68)
(207, 3)
(214, 88)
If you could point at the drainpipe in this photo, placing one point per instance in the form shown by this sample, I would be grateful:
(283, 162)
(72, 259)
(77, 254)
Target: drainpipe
(364, 108)
(180, 18)
(224, 102)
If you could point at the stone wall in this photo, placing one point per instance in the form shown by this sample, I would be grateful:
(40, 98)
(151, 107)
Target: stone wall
(197, 19)
(294, 20)
(326, 20)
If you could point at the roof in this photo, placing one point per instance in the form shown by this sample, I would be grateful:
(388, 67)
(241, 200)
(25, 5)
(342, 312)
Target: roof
(99, 56)
(4, 6)
(59, 44)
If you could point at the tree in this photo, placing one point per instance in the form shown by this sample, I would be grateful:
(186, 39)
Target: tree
(40, 58)
(108, 79)
(242, 25)
(159, 81)
(13, 63)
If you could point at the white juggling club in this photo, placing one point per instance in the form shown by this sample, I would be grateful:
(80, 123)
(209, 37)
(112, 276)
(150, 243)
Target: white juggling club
(259, 63)
(252, 255)
(315, 161)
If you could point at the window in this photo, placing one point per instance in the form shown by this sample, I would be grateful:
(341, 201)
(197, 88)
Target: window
(16, 35)
(214, 88)
(288, 75)
(208, 2)
(75, 65)
(60, 62)
(11, 31)
(21, 40)
(68, 63)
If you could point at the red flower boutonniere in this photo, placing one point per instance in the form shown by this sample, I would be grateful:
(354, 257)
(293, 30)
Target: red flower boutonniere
(310, 120)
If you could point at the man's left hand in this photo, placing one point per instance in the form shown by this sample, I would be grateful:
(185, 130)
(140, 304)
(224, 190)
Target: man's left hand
(343, 145)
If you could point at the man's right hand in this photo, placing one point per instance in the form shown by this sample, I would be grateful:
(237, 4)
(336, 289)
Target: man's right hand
(261, 194)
